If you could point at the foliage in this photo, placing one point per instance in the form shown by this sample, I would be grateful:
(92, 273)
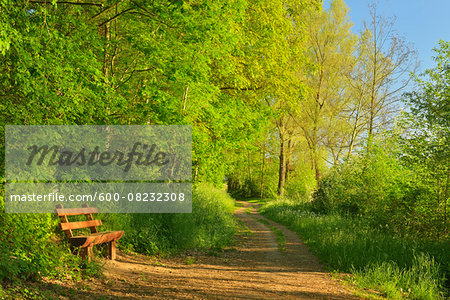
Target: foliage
(430, 103)
(140, 62)
(401, 180)
(203, 63)
(330, 46)
(30, 248)
(301, 182)
(419, 281)
(387, 192)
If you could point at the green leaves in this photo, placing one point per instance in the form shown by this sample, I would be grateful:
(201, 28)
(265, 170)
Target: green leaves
(431, 101)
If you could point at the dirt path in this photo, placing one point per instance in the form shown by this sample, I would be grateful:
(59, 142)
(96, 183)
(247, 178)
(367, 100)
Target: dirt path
(255, 269)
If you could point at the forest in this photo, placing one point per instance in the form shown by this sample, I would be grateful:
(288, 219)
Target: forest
(335, 133)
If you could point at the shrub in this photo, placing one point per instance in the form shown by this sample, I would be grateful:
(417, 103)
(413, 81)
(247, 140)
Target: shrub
(30, 248)
(389, 193)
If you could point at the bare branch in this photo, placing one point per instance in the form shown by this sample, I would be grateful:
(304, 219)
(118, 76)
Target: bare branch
(114, 17)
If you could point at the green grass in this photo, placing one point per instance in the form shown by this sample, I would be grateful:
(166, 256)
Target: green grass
(190, 261)
(281, 239)
(255, 200)
(258, 200)
(238, 205)
(243, 229)
(211, 225)
(397, 267)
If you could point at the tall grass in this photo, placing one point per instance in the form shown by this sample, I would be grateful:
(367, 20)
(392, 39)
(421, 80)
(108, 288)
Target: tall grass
(210, 225)
(397, 267)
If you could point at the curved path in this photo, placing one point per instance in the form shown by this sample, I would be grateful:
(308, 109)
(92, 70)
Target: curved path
(255, 269)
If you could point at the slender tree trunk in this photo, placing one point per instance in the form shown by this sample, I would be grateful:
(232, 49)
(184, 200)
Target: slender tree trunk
(315, 155)
(282, 168)
(445, 199)
(315, 138)
(249, 166)
(196, 172)
(185, 98)
(106, 56)
(262, 173)
(250, 179)
(288, 159)
(318, 175)
(370, 131)
(351, 145)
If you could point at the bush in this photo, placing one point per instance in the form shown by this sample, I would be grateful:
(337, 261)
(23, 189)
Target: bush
(388, 192)
(300, 183)
(211, 223)
(30, 248)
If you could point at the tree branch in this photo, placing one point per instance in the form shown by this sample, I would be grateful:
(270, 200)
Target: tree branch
(114, 17)
(105, 10)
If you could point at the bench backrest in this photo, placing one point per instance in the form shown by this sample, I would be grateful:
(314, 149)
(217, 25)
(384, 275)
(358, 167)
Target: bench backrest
(67, 226)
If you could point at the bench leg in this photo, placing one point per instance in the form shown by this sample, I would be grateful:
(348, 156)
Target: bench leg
(87, 252)
(112, 250)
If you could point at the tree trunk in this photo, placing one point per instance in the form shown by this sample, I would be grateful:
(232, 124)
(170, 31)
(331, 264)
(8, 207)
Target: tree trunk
(282, 169)
(315, 154)
(262, 173)
(106, 49)
(249, 166)
(445, 199)
(196, 172)
(318, 175)
(290, 147)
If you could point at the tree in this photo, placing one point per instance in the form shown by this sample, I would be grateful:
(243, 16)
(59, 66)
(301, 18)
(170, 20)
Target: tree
(330, 43)
(426, 137)
(384, 63)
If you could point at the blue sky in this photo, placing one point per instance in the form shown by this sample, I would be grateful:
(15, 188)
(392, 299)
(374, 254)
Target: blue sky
(423, 23)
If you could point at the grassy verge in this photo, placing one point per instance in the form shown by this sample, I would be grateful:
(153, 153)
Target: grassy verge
(397, 267)
(281, 240)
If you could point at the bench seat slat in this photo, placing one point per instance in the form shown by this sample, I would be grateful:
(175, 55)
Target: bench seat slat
(80, 224)
(95, 238)
(76, 211)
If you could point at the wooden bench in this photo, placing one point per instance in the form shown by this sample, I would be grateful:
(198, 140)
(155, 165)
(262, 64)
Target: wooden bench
(85, 243)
